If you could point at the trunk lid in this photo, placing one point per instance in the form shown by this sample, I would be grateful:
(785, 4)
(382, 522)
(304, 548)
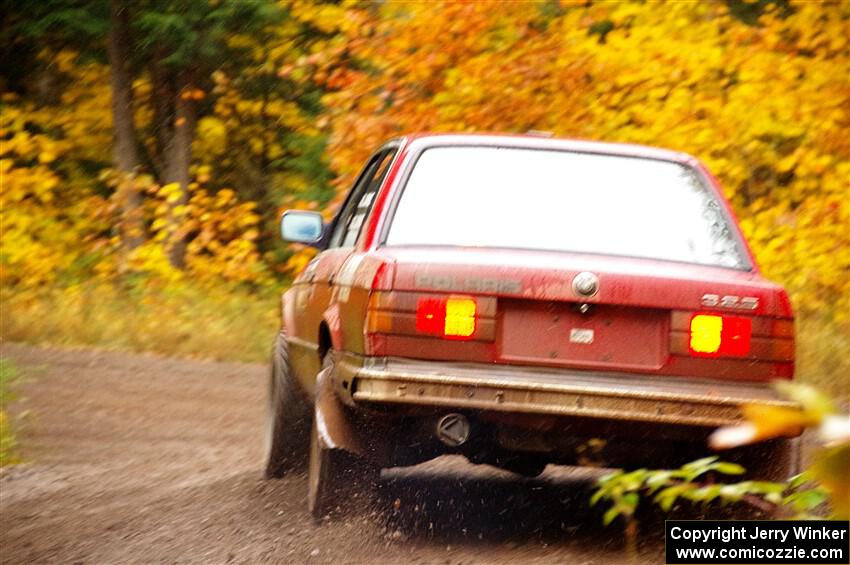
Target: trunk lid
(624, 326)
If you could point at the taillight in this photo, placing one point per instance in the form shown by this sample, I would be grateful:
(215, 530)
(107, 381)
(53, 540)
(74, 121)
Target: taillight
(460, 317)
(718, 335)
(452, 317)
(430, 315)
(715, 335)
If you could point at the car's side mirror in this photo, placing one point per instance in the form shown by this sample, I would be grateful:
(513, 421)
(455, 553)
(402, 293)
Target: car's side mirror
(302, 227)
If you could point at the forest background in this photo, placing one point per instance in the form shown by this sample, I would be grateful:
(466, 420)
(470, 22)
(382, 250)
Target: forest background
(147, 148)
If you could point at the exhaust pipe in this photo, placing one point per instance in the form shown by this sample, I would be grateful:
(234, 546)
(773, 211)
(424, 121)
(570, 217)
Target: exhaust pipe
(452, 429)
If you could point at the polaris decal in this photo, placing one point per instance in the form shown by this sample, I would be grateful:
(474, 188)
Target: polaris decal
(468, 284)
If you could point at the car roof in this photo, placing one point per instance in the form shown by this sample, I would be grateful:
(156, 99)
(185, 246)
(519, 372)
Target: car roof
(544, 141)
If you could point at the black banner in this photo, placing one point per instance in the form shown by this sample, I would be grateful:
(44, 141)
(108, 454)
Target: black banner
(758, 542)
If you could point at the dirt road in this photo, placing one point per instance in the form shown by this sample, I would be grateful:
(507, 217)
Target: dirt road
(146, 459)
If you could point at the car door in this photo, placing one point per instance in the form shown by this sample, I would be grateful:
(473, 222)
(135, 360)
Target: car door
(318, 277)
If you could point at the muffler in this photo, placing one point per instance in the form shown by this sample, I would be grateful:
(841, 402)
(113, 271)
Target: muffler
(452, 429)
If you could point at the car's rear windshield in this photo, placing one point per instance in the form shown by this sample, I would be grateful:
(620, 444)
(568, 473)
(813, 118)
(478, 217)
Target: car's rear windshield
(507, 197)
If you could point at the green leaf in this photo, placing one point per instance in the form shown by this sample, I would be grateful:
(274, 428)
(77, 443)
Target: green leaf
(806, 499)
(658, 479)
(629, 503)
(734, 492)
(610, 515)
(700, 464)
(667, 497)
(766, 487)
(799, 480)
(704, 494)
(605, 479)
(633, 480)
(694, 469)
(729, 468)
(597, 496)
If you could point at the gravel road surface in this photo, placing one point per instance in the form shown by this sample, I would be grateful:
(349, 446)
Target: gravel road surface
(148, 459)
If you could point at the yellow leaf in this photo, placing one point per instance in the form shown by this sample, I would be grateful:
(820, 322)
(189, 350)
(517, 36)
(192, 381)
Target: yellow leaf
(763, 422)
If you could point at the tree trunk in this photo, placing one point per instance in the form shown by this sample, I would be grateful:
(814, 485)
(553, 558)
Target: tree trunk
(176, 160)
(47, 84)
(125, 155)
(162, 101)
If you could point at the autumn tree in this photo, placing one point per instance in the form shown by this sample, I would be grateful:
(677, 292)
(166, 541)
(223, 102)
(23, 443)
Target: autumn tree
(97, 31)
(758, 90)
(200, 104)
(261, 135)
(31, 37)
(181, 43)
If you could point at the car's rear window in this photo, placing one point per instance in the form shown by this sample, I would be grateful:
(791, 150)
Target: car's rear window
(505, 197)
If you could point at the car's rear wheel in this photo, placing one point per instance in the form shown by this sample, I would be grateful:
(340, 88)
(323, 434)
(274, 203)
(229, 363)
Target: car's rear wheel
(337, 481)
(773, 461)
(287, 417)
(776, 460)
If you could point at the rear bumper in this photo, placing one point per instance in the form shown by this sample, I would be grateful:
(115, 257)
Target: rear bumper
(533, 391)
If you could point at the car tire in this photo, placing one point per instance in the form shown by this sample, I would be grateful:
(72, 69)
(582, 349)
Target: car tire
(287, 417)
(337, 481)
(775, 461)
